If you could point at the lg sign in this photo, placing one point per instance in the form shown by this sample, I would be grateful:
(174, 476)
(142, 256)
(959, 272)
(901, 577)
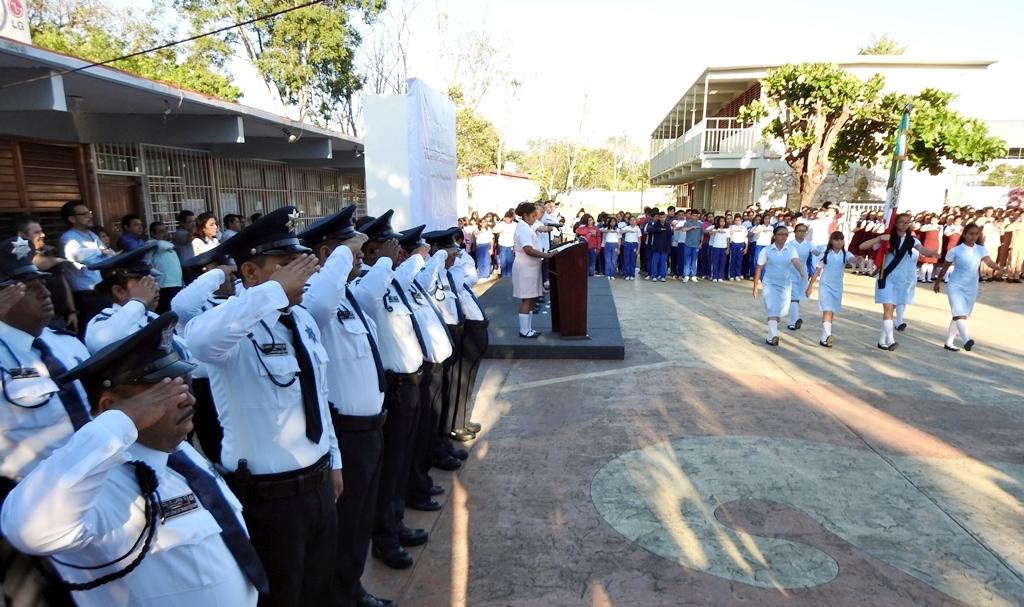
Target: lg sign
(13, 23)
(17, 8)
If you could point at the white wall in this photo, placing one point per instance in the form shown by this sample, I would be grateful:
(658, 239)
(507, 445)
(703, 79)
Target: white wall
(387, 157)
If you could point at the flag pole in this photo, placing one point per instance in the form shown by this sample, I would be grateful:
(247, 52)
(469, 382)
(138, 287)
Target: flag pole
(894, 186)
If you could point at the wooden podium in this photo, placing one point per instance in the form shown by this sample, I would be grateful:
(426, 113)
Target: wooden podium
(568, 278)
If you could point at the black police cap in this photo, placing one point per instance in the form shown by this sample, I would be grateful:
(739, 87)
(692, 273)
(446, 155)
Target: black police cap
(16, 260)
(129, 263)
(411, 238)
(443, 239)
(272, 234)
(378, 228)
(335, 227)
(144, 357)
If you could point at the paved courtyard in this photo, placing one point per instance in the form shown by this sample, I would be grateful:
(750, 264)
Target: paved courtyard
(710, 469)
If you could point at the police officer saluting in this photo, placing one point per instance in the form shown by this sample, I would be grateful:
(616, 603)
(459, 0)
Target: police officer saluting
(130, 513)
(380, 293)
(356, 386)
(267, 366)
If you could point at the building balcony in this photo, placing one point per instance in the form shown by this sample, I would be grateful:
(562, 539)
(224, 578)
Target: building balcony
(710, 146)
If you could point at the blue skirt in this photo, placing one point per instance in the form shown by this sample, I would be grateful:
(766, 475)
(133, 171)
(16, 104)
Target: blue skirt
(961, 301)
(799, 289)
(830, 297)
(776, 299)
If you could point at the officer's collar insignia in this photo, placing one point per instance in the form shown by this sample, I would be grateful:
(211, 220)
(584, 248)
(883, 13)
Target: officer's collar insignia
(20, 248)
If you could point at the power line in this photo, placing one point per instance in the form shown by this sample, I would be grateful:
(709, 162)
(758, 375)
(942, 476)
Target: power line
(167, 45)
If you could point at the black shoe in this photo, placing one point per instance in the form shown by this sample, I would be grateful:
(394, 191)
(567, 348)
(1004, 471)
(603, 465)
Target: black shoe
(901, 327)
(462, 435)
(892, 346)
(396, 558)
(881, 347)
(950, 348)
(427, 505)
(458, 453)
(368, 600)
(774, 341)
(827, 343)
(530, 335)
(473, 427)
(436, 490)
(799, 323)
(413, 537)
(968, 344)
(446, 463)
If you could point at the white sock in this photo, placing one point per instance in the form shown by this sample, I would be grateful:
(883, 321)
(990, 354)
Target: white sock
(826, 330)
(961, 327)
(951, 334)
(524, 324)
(887, 335)
(794, 312)
(900, 309)
(773, 328)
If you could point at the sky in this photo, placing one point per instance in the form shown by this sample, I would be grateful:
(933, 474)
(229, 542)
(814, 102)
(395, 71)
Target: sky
(594, 69)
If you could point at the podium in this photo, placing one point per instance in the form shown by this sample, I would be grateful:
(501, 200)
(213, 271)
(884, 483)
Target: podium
(568, 277)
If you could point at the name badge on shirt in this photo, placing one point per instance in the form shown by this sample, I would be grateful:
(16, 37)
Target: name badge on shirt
(24, 373)
(344, 314)
(176, 506)
(417, 297)
(274, 349)
(394, 299)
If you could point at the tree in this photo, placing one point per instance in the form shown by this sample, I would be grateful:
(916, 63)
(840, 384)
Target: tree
(93, 30)
(476, 139)
(883, 45)
(825, 117)
(305, 57)
(1005, 175)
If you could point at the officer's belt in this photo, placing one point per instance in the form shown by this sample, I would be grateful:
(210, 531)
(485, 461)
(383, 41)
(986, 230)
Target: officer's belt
(357, 423)
(429, 367)
(285, 484)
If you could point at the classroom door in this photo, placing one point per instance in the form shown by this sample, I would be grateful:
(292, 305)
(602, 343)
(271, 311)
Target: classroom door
(119, 196)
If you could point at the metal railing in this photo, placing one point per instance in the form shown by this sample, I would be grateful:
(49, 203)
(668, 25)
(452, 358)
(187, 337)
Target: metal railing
(709, 137)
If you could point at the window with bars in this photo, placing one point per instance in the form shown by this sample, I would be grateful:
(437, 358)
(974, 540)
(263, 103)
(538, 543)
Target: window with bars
(117, 158)
(177, 179)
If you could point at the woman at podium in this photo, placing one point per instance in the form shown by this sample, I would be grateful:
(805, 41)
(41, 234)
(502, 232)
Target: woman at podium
(527, 281)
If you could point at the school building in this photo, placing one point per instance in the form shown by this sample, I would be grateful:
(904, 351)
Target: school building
(715, 162)
(126, 144)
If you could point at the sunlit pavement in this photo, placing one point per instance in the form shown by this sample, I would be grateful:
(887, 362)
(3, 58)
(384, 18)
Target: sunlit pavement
(710, 469)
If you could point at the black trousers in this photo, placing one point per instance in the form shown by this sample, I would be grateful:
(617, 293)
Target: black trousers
(449, 388)
(362, 455)
(402, 402)
(207, 427)
(296, 538)
(418, 488)
(474, 343)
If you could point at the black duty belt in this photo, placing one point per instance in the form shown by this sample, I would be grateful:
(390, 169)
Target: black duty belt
(431, 367)
(358, 423)
(260, 487)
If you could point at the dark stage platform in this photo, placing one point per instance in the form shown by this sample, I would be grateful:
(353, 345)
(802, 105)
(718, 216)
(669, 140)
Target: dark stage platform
(605, 341)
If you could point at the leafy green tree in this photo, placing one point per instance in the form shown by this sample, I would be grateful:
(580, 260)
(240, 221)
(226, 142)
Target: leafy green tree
(827, 118)
(304, 57)
(882, 45)
(476, 139)
(93, 30)
(1005, 175)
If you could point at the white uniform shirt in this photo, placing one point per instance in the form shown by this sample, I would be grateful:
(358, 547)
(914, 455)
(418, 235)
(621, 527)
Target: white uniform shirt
(84, 506)
(117, 322)
(439, 288)
(263, 423)
(506, 233)
(428, 316)
(352, 382)
(464, 281)
(28, 436)
(737, 234)
(377, 293)
(609, 236)
(630, 233)
(762, 235)
(719, 237)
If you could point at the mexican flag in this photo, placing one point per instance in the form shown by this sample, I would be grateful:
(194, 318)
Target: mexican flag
(895, 184)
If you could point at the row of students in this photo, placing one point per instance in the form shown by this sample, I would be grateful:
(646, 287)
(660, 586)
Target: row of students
(895, 287)
(340, 366)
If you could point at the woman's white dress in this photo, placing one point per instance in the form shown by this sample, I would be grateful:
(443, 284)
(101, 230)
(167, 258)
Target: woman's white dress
(527, 281)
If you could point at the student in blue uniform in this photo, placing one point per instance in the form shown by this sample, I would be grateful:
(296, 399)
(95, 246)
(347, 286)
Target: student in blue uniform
(773, 267)
(805, 252)
(897, 279)
(830, 269)
(963, 285)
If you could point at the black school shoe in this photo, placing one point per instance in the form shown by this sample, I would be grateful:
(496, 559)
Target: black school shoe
(950, 348)
(968, 345)
(396, 558)
(774, 341)
(446, 463)
(409, 538)
(901, 327)
(827, 343)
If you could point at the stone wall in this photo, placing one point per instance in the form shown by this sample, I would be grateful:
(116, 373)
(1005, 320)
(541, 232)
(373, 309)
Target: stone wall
(779, 186)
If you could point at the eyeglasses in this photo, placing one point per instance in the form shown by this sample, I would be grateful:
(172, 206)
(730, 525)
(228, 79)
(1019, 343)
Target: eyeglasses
(83, 213)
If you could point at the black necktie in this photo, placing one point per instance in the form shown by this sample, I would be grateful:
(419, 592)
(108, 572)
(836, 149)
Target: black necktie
(455, 294)
(412, 317)
(381, 382)
(235, 538)
(69, 396)
(307, 381)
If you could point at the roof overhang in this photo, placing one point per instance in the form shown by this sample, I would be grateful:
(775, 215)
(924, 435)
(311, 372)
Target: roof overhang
(723, 83)
(103, 104)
